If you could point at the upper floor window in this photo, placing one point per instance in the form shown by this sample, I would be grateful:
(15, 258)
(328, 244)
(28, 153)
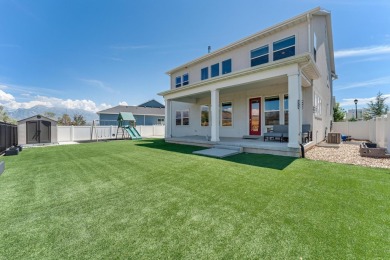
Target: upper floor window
(259, 56)
(178, 81)
(284, 48)
(215, 70)
(226, 66)
(185, 79)
(204, 73)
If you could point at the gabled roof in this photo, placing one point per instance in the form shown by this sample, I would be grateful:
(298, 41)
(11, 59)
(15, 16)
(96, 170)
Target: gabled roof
(135, 110)
(38, 117)
(264, 33)
(152, 103)
(126, 116)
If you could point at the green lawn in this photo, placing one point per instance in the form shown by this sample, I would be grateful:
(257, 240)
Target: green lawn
(149, 200)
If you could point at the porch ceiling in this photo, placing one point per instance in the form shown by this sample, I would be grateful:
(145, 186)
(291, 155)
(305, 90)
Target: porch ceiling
(256, 85)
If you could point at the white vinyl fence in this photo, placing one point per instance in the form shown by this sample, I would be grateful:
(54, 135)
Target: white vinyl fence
(376, 130)
(87, 133)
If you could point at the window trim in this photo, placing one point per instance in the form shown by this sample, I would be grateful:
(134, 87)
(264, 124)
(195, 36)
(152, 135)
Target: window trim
(208, 116)
(206, 69)
(284, 39)
(221, 112)
(253, 58)
(188, 79)
(265, 109)
(211, 70)
(178, 81)
(182, 117)
(228, 61)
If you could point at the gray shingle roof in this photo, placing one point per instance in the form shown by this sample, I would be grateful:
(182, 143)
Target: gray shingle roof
(148, 111)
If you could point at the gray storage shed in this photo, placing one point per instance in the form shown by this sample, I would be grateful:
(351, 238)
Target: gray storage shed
(37, 130)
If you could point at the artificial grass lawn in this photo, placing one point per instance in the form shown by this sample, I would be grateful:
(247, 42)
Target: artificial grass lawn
(149, 199)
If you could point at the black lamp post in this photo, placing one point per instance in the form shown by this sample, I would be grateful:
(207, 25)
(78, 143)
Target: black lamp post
(356, 101)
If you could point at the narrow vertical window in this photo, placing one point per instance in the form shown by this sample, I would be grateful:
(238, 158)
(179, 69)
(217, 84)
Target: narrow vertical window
(227, 114)
(286, 109)
(259, 56)
(284, 48)
(186, 117)
(178, 117)
(185, 79)
(226, 66)
(204, 73)
(178, 81)
(215, 70)
(204, 115)
(271, 111)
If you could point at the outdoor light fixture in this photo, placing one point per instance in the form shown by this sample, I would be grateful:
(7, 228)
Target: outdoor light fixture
(356, 101)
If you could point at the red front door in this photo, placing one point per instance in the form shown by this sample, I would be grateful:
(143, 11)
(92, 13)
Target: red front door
(254, 116)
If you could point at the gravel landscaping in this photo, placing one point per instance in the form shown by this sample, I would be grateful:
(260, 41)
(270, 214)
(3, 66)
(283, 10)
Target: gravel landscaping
(347, 153)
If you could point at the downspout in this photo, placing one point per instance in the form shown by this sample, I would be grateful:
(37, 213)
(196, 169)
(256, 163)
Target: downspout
(301, 112)
(309, 33)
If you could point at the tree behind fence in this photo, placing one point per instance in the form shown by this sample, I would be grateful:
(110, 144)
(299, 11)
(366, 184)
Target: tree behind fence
(8, 136)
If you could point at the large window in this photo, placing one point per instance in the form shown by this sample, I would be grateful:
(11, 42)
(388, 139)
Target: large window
(178, 81)
(259, 56)
(204, 115)
(284, 48)
(271, 110)
(227, 114)
(286, 109)
(185, 79)
(182, 117)
(226, 66)
(204, 73)
(215, 70)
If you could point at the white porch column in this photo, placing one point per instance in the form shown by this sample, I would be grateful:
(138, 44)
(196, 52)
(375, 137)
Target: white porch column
(215, 115)
(294, 110)
(168, 118)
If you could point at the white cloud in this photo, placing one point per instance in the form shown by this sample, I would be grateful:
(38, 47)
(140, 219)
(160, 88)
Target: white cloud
(363, 51)
(368, 83)
(6, 97)
(348, 102)
(123, 103)
(9, 101)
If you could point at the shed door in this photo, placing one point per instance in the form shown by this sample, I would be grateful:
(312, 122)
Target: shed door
(38, 132)
(44, 131)
(32, 132)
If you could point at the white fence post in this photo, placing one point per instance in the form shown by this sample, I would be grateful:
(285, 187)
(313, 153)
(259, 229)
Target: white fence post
(72, 133)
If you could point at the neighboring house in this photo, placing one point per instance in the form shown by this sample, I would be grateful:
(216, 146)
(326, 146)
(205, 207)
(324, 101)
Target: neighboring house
(281, 75)
(149, 113)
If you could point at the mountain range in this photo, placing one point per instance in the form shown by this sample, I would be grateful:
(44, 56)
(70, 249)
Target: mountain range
(22, 113)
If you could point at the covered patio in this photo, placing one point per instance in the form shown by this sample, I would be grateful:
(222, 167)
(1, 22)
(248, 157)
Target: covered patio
(248, 145)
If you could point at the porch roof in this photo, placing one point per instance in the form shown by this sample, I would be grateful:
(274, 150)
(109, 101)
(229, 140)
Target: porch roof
(305, 61)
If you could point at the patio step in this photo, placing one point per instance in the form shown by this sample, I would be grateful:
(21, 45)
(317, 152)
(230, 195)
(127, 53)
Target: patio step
(220, 151)
(229, 147)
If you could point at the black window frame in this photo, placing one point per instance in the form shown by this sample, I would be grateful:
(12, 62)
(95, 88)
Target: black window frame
(260, 58)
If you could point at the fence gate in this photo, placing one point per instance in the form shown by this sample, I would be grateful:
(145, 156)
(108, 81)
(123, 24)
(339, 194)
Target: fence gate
(38, 131)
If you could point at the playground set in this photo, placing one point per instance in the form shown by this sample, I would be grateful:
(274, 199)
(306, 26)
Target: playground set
(126, 127)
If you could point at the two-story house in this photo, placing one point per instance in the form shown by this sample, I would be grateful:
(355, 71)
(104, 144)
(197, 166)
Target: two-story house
(279, 76)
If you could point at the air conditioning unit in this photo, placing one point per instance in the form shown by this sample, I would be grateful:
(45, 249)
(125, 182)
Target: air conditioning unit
(334, 138)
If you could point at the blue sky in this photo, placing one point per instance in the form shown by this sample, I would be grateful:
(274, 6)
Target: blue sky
(95, 54)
